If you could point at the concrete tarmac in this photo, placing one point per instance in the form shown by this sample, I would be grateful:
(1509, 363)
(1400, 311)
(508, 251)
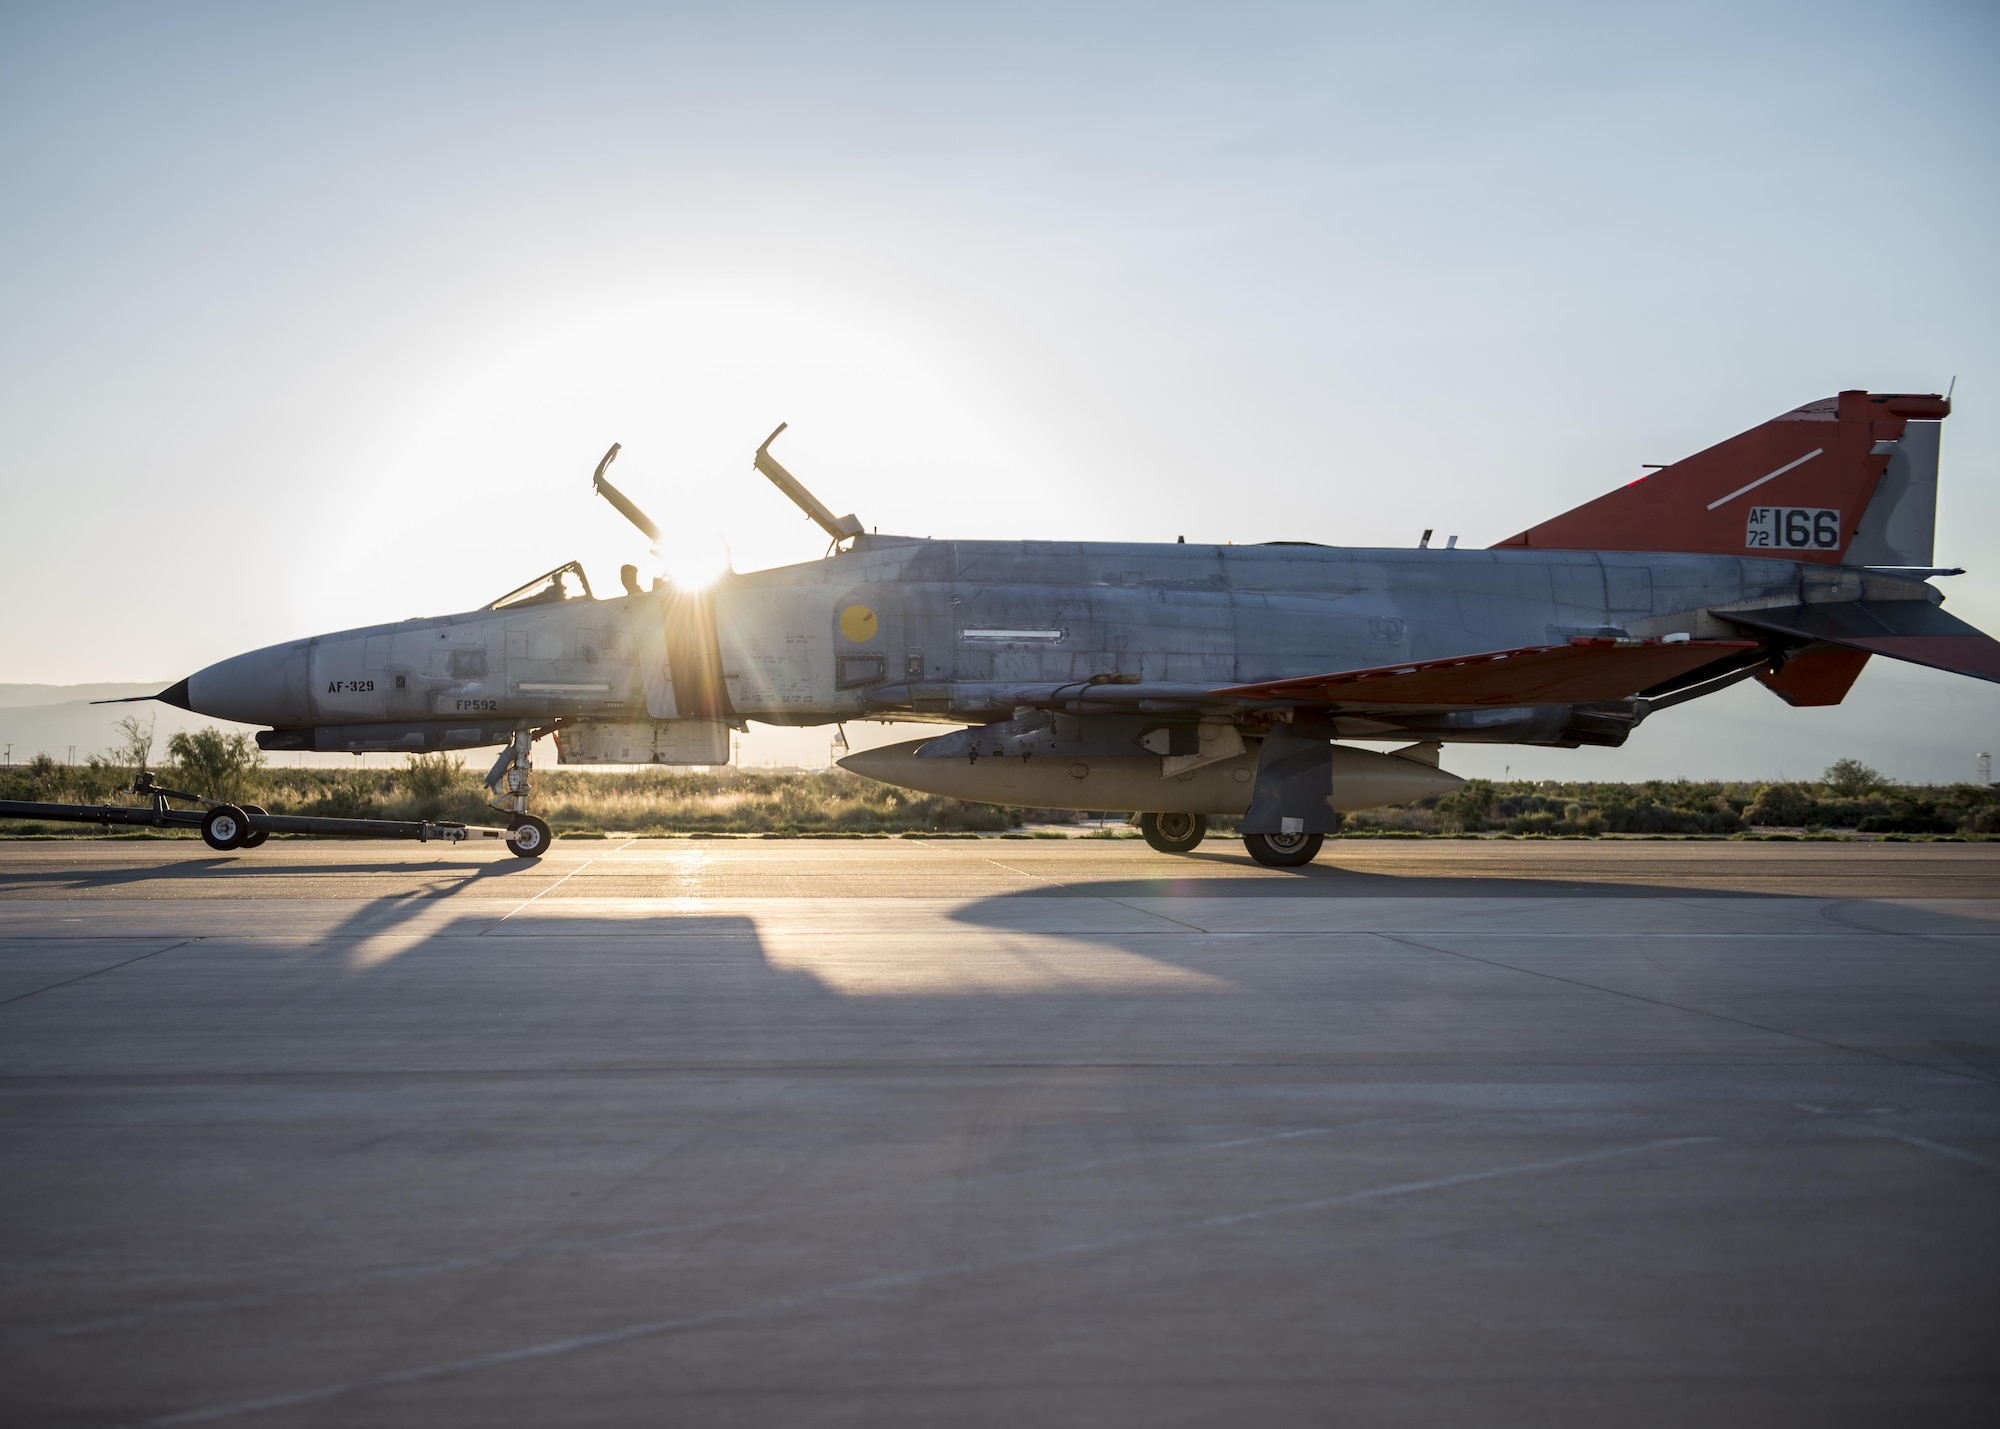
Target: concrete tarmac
(998, 1132)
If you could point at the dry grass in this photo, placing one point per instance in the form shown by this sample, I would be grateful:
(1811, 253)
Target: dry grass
(769, 801)
(650, 800)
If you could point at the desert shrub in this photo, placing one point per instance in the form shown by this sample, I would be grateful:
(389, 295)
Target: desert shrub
(1912, 819)
(45, 778)
(1671, 806)
(357, 795)
(1851, 779)
(1784, 806)
(428, 779)
(93, 781)
(134, 749)
(1849, 813)
(211, 763)
(1465, 809)
(1981, 821)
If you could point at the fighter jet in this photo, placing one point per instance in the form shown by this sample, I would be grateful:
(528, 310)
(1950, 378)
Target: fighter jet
(1181, 681)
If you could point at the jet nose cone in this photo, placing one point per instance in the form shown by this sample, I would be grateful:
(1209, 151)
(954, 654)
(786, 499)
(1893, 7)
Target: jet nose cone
(265, 686)
(175, 695)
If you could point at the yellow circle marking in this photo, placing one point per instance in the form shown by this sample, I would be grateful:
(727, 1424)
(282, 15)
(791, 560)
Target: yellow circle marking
(857, 623)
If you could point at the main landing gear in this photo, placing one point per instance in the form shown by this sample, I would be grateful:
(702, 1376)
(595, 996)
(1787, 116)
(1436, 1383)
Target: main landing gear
(527, 836)
(1284, 850)
(1182, 833)
(1173, 833)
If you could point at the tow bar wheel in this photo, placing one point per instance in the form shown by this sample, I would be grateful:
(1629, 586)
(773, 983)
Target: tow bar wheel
(224, 827)
(529, 836)
(255, 839)
(1173, 833)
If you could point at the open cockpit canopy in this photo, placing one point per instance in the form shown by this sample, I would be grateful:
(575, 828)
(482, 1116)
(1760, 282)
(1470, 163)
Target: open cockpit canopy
(565, 582)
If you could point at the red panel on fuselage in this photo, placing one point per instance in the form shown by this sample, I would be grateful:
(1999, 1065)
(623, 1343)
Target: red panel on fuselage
(1584, 671)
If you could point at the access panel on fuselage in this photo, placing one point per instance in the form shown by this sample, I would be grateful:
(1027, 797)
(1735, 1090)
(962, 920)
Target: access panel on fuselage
(1034, 613)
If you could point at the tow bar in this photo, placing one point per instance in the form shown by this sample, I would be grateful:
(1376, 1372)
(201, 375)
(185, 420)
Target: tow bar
(228, 826)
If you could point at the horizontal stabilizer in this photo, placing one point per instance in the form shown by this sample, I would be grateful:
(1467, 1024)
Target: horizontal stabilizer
(1912, 630)
(1588, 669)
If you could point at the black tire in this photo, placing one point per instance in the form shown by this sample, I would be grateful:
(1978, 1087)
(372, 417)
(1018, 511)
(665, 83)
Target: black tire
(1174, 833)
(256, 838)
(224, 828)
(1284, 850)
(531, 836)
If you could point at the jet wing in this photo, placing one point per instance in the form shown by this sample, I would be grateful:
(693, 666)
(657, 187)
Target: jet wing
(1913, 630)
(1587, 670)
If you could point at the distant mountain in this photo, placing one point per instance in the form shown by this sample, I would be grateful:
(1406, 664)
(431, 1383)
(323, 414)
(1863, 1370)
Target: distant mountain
(54, 719)
(13, 696)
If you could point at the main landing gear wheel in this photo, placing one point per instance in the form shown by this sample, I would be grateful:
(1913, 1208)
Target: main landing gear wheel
(1284, 850)
(531, 836)
(224, 828)
(255, 839)
(1173, 833)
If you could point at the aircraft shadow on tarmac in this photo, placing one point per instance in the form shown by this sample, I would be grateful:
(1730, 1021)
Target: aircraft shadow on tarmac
(1317, 880)
(1328, 880)
(439, 976)
(237, 866)
(591, 990)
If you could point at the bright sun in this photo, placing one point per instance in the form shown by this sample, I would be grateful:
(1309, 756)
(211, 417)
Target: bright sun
(692, 559)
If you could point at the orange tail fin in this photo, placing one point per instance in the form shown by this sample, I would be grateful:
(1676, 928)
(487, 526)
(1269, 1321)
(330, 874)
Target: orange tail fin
(1796, 488)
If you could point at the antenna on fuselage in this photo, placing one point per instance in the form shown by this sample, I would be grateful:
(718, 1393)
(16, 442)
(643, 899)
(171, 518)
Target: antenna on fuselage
(840, 528)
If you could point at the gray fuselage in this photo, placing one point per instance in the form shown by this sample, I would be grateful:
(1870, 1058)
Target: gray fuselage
(970, 631)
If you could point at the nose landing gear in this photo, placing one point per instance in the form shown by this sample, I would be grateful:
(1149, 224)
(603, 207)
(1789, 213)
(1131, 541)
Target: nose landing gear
(527, 836)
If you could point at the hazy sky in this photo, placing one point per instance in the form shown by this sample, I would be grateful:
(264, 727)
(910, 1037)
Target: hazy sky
(314, 317)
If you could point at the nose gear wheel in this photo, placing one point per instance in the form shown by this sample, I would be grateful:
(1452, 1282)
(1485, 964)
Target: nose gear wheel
(530, 836)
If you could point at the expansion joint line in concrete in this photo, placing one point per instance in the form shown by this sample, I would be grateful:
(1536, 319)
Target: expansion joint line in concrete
(557, 884)
(707, 1225)
(901, 1280)
(109, 968)
(1830, 912)
(1846, 1121)
(1662, 1003)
